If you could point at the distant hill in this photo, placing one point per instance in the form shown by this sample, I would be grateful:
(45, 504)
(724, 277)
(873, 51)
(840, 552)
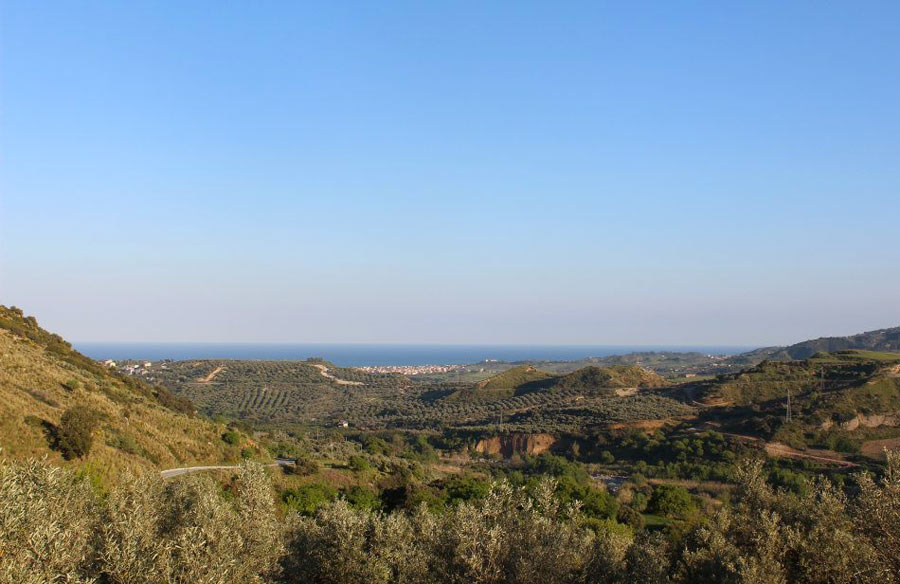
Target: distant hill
(846, 389)
(526, 378)
(260, 391)
(514, 378)
(617, 376)
(880, 340)
(137, 425)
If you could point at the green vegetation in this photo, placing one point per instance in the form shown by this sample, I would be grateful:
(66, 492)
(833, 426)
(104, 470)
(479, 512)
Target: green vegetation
(885, 340)
(306, 499)
(56, 528)
(56, 403)
(515, 378)
(426, 407)
(525, 378)
(437, 482)
(617, 376)
(76, 431)
(671, 501)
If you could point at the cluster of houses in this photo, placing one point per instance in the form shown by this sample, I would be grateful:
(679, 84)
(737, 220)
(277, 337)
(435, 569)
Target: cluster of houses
(409, 369)
(139, 368)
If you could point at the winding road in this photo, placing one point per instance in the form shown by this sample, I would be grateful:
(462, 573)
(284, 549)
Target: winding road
(174, 472)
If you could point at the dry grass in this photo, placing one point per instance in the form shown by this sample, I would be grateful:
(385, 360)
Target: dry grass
(36, 388)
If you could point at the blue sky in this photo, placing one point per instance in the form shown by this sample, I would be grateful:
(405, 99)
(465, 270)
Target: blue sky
(612, 173)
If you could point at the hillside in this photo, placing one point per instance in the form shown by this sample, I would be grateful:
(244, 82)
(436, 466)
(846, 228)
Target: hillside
(822, 373)
(264, 390)
(879, 340)
(505, 384)
(527, 378)
(136, 425)
(847, 395)
(616, 377)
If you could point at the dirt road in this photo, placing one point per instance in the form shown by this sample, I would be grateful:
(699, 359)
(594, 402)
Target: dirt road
(324, 371)
(211, 375)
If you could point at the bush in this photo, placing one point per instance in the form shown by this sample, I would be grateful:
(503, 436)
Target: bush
(358, 463)
(362, 498)
(184, 531)
(303, 466)
(71, 384)
(53, 528)
(232, 437)
(306, 499)
(671, 501)
(48, 524)
(75, 433)
(629, 516)
(509, 536)
(125, 443)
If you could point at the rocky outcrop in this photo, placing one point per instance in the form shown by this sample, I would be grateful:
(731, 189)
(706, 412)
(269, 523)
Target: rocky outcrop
(508, 444)
(864, 420)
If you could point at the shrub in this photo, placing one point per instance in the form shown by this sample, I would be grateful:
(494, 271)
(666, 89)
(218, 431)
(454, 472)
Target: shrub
(671, 501)
(76, 431)
(184, 531)
(124, 442)
(306, 499)
(358, 463)
(232, 437)
(33, 421)
(48, 524)
(629, 516)
(362, 498)
(71, 384)
(302, 466)
(508, 536)
(176, 403)
(466, 488)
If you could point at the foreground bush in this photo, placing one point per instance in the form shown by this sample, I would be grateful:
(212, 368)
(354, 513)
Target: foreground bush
(506, 537)
(54, 528)
(48, 525)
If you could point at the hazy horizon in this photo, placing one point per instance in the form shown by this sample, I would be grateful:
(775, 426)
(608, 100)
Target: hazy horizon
(365, 354)
(455, 174)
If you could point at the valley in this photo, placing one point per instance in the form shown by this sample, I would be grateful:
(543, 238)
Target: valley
(641, 451)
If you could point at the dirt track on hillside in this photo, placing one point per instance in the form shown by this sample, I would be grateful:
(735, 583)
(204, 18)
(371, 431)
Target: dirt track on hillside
(324, 371)
(777, 449)
(211, 376)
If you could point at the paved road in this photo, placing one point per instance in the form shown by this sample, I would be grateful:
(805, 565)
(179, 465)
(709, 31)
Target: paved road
(174, 472)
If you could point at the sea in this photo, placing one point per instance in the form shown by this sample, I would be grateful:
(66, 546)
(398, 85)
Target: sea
(362, 355)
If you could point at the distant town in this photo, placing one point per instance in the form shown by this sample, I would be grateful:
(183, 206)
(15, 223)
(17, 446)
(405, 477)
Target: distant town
(410, 369)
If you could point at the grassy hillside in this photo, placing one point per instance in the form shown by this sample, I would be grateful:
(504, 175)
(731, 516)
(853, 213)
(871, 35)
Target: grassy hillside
(822, 373)
(503, 385)
(617, 376)
(838, 400)
(525, 378)
(135, 424)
